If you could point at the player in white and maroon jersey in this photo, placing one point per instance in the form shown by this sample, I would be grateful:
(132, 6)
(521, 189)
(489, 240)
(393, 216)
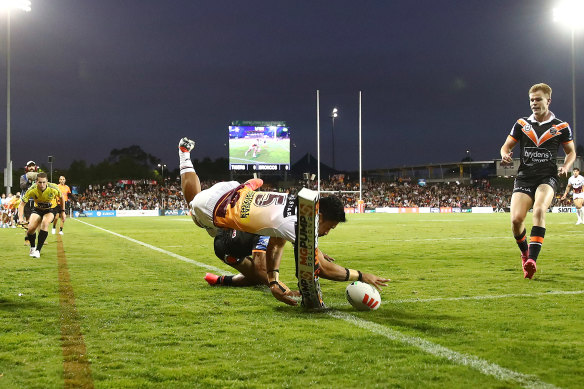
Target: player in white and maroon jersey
(576, 185)
(539, 136)
(255, 147)
(240, 207)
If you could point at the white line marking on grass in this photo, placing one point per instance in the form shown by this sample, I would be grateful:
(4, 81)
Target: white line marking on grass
(179, 257)
(487, 297)
(471, 361)
(450, 238)
(437, 350)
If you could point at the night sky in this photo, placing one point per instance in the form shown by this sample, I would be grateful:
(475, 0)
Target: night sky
(438, 77)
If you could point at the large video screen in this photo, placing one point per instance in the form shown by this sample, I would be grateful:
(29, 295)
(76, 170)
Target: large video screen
(259, 148)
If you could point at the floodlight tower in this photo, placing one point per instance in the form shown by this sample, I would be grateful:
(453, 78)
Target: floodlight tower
(571, 13)
(7, 6)
(334, 114)
(162, 166)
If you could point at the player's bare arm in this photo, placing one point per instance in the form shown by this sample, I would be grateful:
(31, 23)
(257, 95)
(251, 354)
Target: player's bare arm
(334, 272)
(273, 257)
(63, 212)
(570, 151)
(568, 189)
(506, 150)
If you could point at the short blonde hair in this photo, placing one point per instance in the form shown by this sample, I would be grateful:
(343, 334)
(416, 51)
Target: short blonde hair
(545, 88)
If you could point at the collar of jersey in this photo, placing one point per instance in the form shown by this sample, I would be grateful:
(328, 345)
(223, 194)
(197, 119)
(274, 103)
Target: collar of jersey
(534, 120)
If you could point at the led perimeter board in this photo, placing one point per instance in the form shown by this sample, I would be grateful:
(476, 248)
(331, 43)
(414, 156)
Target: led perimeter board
(259, 146)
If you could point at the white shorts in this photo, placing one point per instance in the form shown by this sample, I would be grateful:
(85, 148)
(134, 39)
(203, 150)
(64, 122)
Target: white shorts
(204, 203)
(578, 195)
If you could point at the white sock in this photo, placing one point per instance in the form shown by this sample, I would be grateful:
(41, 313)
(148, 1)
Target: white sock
(580, 213)
(185, 163)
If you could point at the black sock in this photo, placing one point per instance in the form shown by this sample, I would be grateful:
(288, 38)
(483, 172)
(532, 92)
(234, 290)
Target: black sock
(522, 241)
(535, 241)
(42, 237)
(61, 229)
(31, 239)
(226, 280)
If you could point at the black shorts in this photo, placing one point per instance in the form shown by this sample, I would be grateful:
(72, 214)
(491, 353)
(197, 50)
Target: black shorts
(28, 209)
(43, 211)
(528, 185)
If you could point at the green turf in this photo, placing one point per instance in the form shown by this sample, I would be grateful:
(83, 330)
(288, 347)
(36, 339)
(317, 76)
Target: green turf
(149, 320)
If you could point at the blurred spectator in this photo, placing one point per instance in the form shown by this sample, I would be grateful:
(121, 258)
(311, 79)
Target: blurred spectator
(401, 193)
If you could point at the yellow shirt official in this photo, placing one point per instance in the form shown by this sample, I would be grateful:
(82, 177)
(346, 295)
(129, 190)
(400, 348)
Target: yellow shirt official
(43, 200)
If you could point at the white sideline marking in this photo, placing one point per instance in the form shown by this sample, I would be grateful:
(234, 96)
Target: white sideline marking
(437, 350)
(179, 257)
(487, 297)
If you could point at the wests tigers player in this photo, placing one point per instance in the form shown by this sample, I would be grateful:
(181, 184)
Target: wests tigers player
(539, 136)
(576, 184)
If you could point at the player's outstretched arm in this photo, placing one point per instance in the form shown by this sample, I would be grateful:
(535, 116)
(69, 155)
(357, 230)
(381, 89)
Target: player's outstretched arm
(273, 257)
(334, 272)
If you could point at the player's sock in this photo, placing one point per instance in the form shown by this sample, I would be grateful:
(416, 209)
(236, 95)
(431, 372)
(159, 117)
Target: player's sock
(184, 155)
(580, 213)
(31, 239)
(522, 242)
(185, 163)
(535, 241)
(42, 237)
(226, 280)
(61, 229)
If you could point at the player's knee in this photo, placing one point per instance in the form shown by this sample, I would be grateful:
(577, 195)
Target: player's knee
(517, 219)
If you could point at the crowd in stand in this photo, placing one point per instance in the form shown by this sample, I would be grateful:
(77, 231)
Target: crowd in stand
(402, 193)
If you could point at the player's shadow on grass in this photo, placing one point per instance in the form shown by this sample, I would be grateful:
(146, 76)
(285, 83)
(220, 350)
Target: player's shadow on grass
(385, 316)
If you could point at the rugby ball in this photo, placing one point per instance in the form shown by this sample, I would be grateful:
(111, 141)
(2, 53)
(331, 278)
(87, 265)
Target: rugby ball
(362, 296)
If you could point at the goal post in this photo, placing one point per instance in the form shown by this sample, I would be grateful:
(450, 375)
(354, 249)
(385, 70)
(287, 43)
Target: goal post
(306, 248)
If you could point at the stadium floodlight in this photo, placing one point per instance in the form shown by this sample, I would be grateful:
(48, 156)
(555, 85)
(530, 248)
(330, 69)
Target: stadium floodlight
(162, 166)
(571, 14)
(7, 6)
(334, 115)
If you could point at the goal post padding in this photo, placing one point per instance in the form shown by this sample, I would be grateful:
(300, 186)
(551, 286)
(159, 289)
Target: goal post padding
(305, 249)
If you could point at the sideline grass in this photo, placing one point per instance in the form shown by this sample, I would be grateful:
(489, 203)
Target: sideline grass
(149, 320)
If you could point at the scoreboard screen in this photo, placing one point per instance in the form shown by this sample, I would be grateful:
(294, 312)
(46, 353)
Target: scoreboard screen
(259, 147)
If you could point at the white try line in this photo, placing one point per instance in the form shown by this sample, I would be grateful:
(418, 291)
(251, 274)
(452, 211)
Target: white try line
(487, 297)
(449, 238)
(484, 367)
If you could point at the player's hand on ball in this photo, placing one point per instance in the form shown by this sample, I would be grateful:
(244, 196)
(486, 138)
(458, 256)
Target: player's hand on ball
(281, 292)
(375, 281)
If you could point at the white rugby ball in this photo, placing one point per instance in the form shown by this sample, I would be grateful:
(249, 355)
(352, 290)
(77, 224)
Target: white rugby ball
(362, 296)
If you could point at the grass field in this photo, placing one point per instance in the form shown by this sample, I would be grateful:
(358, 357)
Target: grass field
(121, 302)
(274, 151)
